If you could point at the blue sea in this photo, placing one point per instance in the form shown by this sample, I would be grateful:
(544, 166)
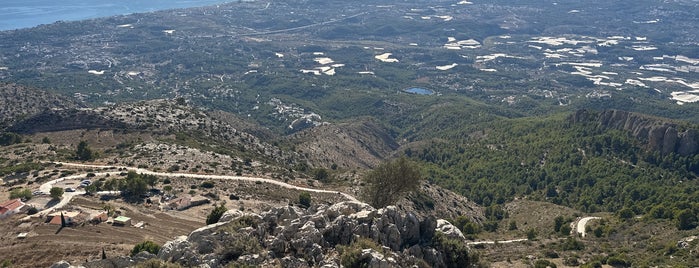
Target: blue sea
(17, 14)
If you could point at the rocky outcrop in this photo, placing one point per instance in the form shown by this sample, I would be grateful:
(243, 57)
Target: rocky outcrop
(657, 134)
(69, 119)
(18, 102)
(294, 237)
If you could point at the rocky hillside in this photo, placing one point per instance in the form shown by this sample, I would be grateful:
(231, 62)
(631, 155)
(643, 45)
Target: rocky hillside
(350, 234)
(359, 144)
(19, 101)
(657, 134)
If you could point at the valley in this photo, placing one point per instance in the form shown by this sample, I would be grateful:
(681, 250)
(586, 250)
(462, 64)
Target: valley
(540, 134)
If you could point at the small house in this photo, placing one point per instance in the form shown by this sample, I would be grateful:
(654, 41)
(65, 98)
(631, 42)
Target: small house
(10, 207)
(181, 203)
(122, 221)
(69, 216)
(98, 217)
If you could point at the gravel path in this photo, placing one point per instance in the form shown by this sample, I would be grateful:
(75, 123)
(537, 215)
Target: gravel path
(581, 224)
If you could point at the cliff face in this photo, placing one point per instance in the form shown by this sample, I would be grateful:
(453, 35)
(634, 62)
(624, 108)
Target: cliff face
(658, 134)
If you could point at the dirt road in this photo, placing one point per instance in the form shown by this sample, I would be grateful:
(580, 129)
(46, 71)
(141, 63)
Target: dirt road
(581, 224)
(202, 176)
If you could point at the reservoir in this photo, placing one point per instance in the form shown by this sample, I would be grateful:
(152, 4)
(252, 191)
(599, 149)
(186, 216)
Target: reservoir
(419, 91)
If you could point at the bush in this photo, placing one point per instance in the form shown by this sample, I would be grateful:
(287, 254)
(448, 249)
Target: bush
(350, 256)
(9, 138)
(216, 214)
(531, 234)
(455, 252)
(207, 185)
(305, 199)
(321, 174)
(572, 244)
(156, 263)
(148, 246)
(25, 194)
(544, 264)
(558, 223)
(5, 263)
(618, 261)
(83, 152)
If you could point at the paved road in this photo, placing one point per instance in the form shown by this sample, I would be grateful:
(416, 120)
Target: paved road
(581, 224)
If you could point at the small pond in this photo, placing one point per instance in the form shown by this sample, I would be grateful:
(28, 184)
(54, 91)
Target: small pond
(419, 91)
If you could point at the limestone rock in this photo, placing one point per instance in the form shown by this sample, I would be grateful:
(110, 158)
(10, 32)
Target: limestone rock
(449, 230)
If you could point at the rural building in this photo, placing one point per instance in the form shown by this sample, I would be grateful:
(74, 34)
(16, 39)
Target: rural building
(69, 216)
(181, 203)
(10, 207)
(123, 221)
(99, 217)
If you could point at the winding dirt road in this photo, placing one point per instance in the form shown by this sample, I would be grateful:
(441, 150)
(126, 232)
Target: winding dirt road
(581, 224)
(197, 176)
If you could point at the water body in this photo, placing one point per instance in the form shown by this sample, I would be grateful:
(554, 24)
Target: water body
(18, 14)
(419, 91)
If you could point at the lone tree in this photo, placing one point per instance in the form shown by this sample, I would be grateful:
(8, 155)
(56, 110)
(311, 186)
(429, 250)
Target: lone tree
(83, 152)
(390, 181)
(56, 192)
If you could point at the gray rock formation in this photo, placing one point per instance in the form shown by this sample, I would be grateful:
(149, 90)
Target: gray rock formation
(293, 237)
(658, 134)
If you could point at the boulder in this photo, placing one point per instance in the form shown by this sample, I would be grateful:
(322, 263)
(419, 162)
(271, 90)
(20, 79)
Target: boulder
(449, 230)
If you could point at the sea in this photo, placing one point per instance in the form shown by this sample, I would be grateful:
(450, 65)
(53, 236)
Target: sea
(18, 14)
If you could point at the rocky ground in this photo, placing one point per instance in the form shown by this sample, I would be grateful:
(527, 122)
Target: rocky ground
(326, 236)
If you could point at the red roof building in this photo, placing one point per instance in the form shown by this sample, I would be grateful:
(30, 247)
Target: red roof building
(10, 207)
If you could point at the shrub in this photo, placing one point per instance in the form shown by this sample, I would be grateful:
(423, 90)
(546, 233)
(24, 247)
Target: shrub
(513, 225)
(5, 263)
(455, 252)
(215, 214)
(618, 261)
(156, 263)
(350, 256)
(148, 246)
(321, 174)
(305, 199)
(572, 244)
(83, 152)
(25, 194)
(531, 234)
(207, 185)
(544, 264)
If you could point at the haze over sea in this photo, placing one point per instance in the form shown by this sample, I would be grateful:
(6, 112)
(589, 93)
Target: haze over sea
(17, 14)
